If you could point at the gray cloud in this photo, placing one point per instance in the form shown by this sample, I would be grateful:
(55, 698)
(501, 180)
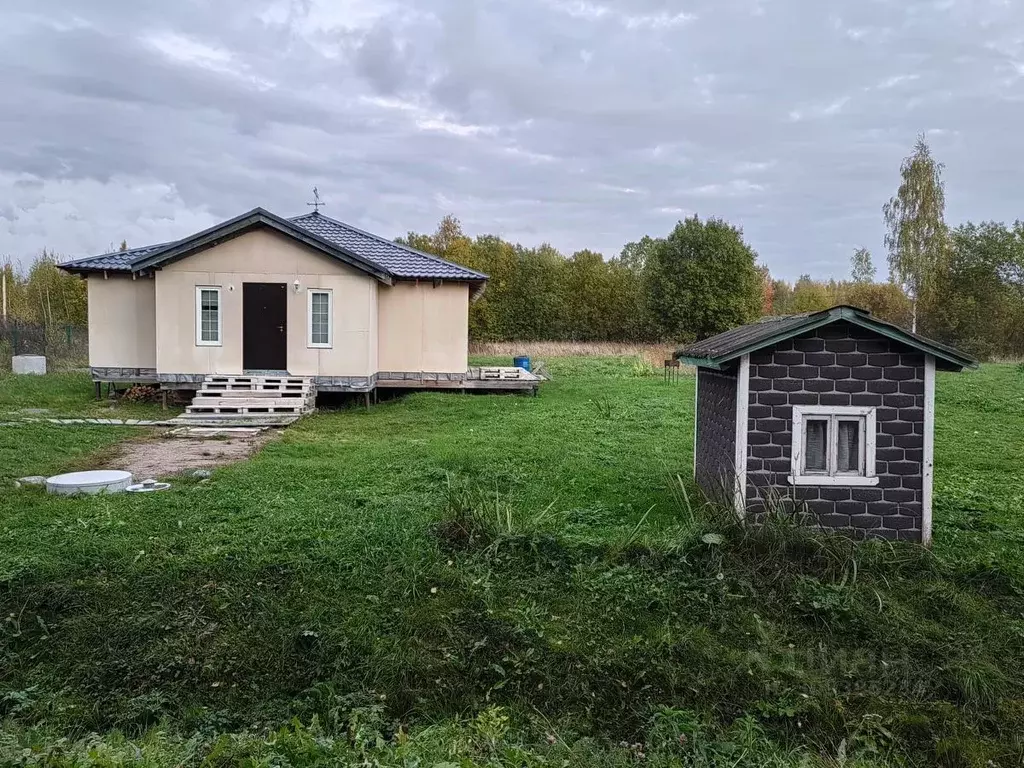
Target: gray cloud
(584, 123)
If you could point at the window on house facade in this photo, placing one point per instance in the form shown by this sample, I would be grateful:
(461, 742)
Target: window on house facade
(833, 446)
(320, 312)
(208, 316)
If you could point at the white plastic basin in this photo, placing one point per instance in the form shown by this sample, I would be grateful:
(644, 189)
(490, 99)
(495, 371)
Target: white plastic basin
(92, 482)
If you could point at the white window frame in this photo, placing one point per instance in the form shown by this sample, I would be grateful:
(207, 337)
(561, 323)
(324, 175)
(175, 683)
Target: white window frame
(200, 341)
(330, 318)
(834, 414)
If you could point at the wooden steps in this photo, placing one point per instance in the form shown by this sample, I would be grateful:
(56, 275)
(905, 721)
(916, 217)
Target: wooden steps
(244, 401)
(282, 385)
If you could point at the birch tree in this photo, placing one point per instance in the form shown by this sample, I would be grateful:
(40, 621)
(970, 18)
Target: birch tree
(862, 269)
(916, 234)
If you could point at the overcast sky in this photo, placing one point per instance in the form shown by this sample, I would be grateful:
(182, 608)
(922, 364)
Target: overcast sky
(583, 123)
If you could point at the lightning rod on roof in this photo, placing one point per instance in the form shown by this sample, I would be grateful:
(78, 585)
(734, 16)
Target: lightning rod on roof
(317, 202)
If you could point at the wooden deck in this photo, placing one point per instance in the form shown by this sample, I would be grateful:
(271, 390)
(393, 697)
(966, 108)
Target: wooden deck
(477, 379)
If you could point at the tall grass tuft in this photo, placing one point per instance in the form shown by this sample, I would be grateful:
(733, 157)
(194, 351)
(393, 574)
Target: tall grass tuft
(475, 516)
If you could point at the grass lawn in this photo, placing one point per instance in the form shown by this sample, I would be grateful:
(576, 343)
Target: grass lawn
(59, 395)
(463, 580)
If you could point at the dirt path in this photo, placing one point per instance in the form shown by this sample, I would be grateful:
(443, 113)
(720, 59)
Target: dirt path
(162, 456)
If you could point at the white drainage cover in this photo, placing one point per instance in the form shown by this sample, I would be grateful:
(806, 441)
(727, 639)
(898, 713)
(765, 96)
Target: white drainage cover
(147, 486)
(92, 482)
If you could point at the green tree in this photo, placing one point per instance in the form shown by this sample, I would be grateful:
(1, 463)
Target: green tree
(703, 280)
(810, 296)
(14, 287)
(534, 308)
(587, 296)
(979, 300)
(862, 269)
(767, 291)
(498, 259)
(885, 300)
(630, 273)
(782, 297)
(637, 255)
(54, 297)
(916, 234)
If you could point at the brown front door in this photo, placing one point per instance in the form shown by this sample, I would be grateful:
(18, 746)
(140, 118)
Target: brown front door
(264, 326)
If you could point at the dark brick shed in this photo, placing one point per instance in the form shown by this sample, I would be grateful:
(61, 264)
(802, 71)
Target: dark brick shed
(830, 412)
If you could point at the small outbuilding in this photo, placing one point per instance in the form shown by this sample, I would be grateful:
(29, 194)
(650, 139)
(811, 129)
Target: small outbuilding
(830, 412)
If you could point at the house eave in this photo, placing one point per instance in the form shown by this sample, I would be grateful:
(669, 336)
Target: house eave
(701, 362)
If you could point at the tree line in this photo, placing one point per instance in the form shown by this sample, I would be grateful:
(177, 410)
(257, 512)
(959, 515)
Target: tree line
(960, 285)
(42, 296)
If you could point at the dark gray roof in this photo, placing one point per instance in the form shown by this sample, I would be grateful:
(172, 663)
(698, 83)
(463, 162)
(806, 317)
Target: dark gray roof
(720, 350)
(739, 338)
(373, 254)
(117, 261)
(400, 260)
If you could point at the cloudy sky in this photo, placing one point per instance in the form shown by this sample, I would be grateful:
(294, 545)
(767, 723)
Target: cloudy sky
(583, 123)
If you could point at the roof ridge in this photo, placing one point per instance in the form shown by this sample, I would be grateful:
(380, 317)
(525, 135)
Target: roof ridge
(380, 239)
(261, 215)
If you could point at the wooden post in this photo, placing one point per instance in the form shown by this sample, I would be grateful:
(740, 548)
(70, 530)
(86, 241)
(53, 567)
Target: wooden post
(367, 395)
(163, 399)
(98, 386)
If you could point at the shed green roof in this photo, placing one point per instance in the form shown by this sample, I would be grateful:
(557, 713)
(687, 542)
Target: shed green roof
(718, 351)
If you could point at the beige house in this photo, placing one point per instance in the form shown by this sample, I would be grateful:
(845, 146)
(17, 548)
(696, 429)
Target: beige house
(263, 295)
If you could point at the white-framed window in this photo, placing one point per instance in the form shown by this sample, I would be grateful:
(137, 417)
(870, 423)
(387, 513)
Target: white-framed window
(320, 311)
(833, 445)
(208, 316)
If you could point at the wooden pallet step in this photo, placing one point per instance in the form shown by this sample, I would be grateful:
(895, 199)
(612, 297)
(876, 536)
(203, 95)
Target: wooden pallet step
(227, 381)
(290, 404)
(255, 402)
(225, 400)
(202, 409)
(246, 393)
(243, 385)
(234, 420)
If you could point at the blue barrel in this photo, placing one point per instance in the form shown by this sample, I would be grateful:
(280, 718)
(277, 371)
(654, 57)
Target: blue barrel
(521, 362)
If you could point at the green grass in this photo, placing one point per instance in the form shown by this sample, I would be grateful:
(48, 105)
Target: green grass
(505, 581)
(66, 395)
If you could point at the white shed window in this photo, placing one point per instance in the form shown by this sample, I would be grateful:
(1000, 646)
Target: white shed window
(208, 316)
(833, 446)
(320, 312)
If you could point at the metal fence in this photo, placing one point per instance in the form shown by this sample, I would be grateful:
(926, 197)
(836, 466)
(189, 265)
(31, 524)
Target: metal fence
(65, 346)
